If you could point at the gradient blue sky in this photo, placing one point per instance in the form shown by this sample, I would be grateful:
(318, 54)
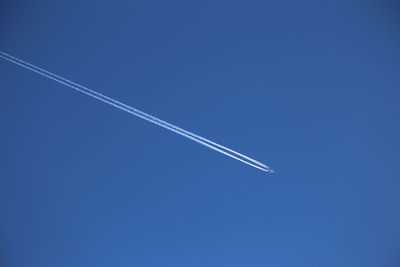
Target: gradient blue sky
(309, 87)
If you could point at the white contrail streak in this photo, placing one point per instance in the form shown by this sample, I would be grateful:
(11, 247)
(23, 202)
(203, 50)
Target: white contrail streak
(201, 140)
(131, 108)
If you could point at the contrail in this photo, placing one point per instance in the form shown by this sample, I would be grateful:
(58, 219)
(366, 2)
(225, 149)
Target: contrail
(194, 137)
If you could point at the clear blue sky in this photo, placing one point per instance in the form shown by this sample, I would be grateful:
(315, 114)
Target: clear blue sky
(309, 87)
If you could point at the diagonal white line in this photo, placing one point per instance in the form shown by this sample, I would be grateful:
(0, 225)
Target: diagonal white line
(199, 139)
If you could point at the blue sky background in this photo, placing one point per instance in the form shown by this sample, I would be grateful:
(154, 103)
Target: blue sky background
(311, 88)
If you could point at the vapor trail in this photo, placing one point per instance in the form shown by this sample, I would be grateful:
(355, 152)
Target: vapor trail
(201, 140)
(132, 109)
